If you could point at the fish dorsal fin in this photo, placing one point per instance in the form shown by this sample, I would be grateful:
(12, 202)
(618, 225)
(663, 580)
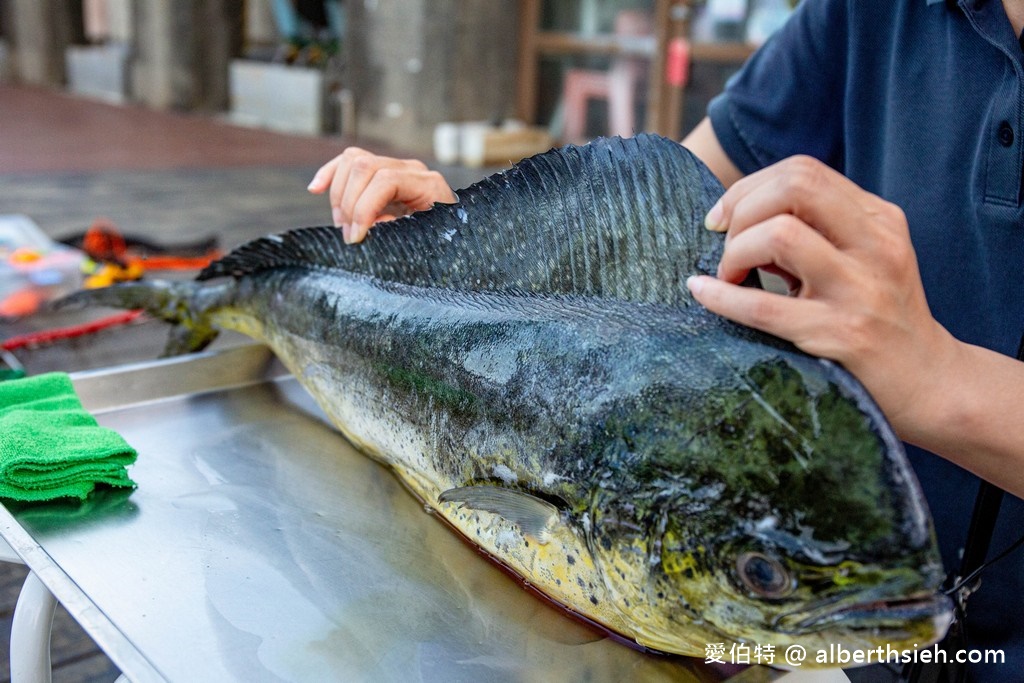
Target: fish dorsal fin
(617, 218)
(536, 517)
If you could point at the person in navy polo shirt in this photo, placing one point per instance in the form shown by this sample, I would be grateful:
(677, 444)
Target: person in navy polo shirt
(873, 154)
(866, 132)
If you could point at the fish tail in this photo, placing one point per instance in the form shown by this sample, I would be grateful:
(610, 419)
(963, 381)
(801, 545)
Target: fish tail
(186, 305)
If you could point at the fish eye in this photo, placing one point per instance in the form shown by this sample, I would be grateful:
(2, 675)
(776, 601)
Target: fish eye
(763, 574)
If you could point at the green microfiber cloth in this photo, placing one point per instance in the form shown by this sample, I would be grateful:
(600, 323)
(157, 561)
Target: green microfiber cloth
(50, 447)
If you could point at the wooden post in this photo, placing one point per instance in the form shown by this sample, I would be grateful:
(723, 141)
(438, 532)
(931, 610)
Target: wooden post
(666, 102)
(526, 85)
(656, 93)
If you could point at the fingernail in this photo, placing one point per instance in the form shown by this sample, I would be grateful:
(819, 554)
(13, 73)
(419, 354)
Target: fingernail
(353, 233)
(695, 284)
(336, 216)
(713, 221)
(312, 183)
(346, 233)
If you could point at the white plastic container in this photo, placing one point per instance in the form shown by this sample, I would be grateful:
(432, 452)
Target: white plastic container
(446, 143)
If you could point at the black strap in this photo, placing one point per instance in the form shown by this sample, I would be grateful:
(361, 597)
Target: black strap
(979, 538)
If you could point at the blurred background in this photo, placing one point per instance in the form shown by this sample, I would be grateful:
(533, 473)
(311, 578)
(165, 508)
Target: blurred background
(393, 70)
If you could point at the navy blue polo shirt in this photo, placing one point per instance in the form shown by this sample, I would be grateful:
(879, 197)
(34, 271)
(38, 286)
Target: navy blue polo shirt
(922, 103)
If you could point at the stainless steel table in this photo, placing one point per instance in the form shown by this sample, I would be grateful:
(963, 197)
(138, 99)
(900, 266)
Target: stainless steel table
(260, 546)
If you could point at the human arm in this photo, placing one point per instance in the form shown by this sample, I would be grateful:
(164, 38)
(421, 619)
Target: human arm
(365, 188)
(859, 301)
(703, 142)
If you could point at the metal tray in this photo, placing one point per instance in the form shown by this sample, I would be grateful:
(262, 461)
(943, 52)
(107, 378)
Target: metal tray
(260, 546)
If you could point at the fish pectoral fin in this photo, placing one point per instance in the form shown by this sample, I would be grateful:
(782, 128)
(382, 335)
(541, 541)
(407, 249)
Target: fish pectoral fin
(536, 517)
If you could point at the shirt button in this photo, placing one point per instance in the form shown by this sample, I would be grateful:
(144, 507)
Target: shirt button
(1005, 134)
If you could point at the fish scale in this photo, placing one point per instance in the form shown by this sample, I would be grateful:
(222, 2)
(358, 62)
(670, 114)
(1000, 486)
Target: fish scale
(529, 363)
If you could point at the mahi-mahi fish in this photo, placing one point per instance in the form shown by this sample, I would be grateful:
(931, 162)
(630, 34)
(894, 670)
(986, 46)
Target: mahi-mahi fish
(530, 364)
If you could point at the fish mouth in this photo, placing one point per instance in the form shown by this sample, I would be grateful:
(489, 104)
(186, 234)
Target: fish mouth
(880, 614)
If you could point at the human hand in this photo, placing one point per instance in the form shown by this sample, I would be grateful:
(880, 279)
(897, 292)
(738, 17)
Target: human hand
(855, 290)
(366, 188)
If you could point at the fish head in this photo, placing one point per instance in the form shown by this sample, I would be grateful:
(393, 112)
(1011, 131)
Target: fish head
(779, 509)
